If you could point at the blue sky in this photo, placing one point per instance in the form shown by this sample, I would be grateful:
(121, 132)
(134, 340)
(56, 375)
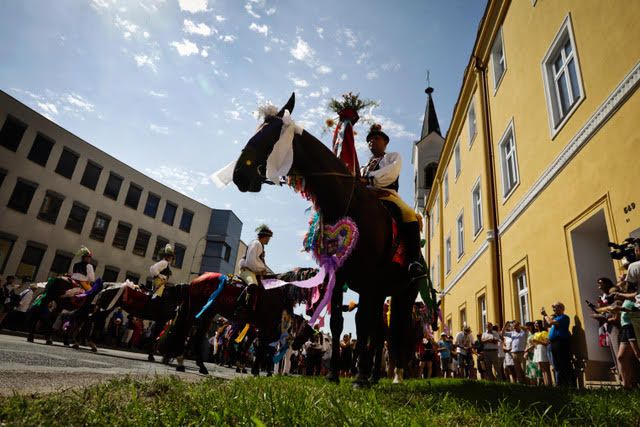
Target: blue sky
(170, 86)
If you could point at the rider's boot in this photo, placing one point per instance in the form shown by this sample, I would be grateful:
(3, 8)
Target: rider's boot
(415, 261)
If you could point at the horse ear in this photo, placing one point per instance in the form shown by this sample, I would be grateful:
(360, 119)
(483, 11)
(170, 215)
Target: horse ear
(289, 105)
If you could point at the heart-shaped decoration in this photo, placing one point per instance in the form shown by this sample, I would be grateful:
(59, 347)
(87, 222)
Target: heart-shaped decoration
(339, 239)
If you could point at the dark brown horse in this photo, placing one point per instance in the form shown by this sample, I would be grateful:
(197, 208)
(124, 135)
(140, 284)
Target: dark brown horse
(266, 317)
(140, 304)
(369, 270)
(67, 295)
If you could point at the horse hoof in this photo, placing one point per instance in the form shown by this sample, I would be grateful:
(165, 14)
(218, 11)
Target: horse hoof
(150, 358)
(180, 368)
(359, 385)
(374, 380)
(204, 371)
(244, 371)
(269, 374)
(238, 370)
(76, 346)
(165, 360)
(30, 338)
(333, 378)
(94, 349)
(49, 342)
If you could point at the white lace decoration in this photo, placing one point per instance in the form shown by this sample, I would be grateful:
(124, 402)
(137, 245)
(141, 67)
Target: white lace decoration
(281, 158)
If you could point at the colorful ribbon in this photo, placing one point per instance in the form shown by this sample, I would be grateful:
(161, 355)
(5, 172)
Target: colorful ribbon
(212, 298)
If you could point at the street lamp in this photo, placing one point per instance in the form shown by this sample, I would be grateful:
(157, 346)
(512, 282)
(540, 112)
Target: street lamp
(195, 250)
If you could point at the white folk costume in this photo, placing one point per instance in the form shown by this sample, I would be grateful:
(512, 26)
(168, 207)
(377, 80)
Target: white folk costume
(253, 265)
(83, 271)
(161, 271)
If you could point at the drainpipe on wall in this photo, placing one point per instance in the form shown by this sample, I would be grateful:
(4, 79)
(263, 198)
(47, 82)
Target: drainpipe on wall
(493, 236)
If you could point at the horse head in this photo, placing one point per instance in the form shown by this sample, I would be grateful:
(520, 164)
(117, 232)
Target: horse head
(250, 171)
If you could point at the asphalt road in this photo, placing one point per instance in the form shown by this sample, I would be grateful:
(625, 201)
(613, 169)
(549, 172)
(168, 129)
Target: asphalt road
(38, 368)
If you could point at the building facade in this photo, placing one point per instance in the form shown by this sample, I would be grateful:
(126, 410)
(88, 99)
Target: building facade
(58, 192)
(536, 172)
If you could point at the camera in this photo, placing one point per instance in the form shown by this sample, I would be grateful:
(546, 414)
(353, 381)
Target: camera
(623, 250)
(592, 306)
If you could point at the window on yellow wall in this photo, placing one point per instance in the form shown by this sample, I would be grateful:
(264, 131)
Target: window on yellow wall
(476, 206)
(482, 310)
(498, 60)
(509, 162)
(456, 158)
(447, 255)
(460, 229)
(445, 187)
(522, 295)
(471, 118)
(463, 318)
(562, 76)
(449, 325)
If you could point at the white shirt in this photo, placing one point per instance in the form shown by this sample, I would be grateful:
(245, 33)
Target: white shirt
(251, 260)
(156, 268)
(462, 342)
(90, 277)
(633, 274)
(389, 171)
(26, 296)
(486, 340)
(519, 340)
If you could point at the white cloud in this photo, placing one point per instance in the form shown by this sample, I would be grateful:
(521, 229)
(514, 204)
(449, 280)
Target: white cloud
(267, 48)
(325, 90)
(302, 51)
(158, 94)
(127, 27)
(145, 60)
(350, 39)
(185, 181)
(47, 108)
(232, 114)
(262, 29)
(270, 11)
(151, 5)
(204, 53)
(249, 8)
(314, 95)
(371, 75)
(228, 38)
(201, 29)
(193, 6)
(101, 4)
(362, 57)
(249, 60)
(390, 66)
(186, 48)
(145, 35)
(389, 126)
(299, 82)
(160, 130)
(320, 32)
(344, 76)
(323, 69)
(220, 18)
(80, 102)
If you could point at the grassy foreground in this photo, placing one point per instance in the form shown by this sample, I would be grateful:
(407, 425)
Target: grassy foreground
(305, 401)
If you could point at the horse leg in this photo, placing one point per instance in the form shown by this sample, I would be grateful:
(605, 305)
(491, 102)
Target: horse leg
(156, 329)
(363, 324)
(200, 343)
(377, 339)
(401, 308)
(33, 315)
(337, 323)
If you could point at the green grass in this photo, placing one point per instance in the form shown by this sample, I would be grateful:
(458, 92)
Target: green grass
(314, 402)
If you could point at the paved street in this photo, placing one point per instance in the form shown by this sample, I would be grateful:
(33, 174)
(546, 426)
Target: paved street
(36, 367)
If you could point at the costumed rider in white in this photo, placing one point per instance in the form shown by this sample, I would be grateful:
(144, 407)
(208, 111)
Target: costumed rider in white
(161, 271)
(252, 265)
(382, 174)
(83, 271)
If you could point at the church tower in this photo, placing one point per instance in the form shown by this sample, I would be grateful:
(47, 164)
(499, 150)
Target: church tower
(426, 153)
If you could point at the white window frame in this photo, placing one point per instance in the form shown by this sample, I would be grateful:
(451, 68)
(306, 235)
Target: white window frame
(437, 210)
(463, 317)
(457, 161)
(432, 228)
(472, 108)
(494, 57)
(447, 255)
(564, 35)
(476, 208)
(482, 310)
(460, 234)
(509, 133)
(438, 271)
(522, 295)
(445, 187)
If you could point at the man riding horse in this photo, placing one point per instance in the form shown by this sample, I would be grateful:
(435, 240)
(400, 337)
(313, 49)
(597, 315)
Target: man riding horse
(382, 174)
(252, 265)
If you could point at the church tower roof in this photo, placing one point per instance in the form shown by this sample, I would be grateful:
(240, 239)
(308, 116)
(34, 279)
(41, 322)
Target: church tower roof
(430, 122)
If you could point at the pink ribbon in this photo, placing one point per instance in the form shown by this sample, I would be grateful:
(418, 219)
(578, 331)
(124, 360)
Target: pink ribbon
(312, 282)
(330, 265)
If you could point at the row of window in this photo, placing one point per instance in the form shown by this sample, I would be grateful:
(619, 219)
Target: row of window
(24, 191)
(564, 90)
(522, 304)
(34, 252)
(11, 135)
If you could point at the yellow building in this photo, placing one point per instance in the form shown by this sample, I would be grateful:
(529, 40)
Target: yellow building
(538, 168)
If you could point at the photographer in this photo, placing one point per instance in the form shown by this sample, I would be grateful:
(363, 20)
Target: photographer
(518, 337)
(559, 338)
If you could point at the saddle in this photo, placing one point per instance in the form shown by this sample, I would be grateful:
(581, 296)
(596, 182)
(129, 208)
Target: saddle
(398, 245)
(137, 299)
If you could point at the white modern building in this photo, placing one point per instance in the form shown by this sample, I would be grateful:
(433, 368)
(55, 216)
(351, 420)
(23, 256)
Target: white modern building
(58, 192)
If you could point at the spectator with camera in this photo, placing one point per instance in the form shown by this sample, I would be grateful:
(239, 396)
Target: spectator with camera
(560, 341)
(493, 364)
(463, 344)
(518, 337)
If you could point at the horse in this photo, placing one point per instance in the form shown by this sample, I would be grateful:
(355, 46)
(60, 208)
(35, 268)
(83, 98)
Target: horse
(369, 270)
(68, 295)
(266, 317)
(139, 303)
